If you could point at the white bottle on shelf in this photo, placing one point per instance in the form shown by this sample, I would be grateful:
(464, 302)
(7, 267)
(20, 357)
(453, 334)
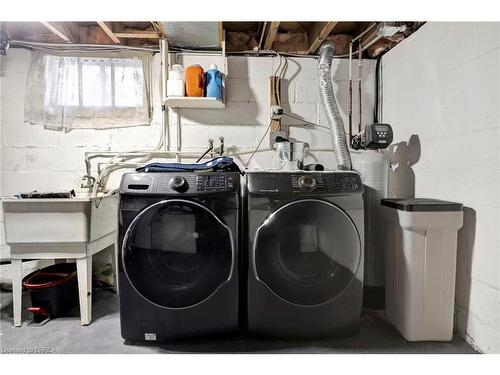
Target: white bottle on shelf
(176, 81)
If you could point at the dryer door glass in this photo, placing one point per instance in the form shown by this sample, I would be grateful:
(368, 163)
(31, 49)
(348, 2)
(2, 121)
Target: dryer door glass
(307, 252)
(177, 253)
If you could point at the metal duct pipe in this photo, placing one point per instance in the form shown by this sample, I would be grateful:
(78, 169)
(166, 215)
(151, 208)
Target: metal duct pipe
(193, 35)
(339, 141)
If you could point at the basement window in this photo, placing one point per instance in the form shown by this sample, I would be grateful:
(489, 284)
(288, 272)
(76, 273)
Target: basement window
(69, 92)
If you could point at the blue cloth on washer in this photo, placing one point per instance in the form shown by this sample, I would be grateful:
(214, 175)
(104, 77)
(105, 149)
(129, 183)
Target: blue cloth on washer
(222, 163)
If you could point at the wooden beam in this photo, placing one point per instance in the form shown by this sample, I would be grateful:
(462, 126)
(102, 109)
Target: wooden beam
(160, 28)
(274, 95)
(138, 34)
(318, 33)
(59, 31)
(273, 29)
(262, 32)
(108, 29)
(220, 29)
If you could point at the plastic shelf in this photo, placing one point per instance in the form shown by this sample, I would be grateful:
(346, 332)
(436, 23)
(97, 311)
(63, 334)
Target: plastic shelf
(194, 102)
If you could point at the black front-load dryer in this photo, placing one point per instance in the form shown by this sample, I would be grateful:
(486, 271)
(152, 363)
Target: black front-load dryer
(305, 253)
(178, 262)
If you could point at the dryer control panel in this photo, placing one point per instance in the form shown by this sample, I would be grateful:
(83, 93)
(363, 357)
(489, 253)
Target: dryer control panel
(304, 182)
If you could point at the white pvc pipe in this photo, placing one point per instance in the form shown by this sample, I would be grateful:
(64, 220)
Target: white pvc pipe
(74, 46)
(179, 135)
(110, 165)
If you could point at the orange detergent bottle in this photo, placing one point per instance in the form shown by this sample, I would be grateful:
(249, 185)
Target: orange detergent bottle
(195, 81)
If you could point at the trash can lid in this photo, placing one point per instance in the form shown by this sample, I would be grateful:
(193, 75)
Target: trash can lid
(421, 204)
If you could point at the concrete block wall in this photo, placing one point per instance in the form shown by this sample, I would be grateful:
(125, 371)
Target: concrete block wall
(35, 158)
(246, 116)
(441, 93)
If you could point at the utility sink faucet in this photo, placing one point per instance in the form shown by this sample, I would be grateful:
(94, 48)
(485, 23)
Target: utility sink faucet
(90, 181)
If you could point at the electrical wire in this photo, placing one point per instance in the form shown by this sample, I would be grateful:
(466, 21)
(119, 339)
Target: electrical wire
(280, 73)
(181, 50)
(360, 83)
(258, 146)
(279, 66)
(364, 32)
(283, 64)
(378, 100)
(268, 52)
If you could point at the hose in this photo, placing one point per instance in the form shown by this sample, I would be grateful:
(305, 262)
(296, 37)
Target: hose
(337, 131)
(206, 152)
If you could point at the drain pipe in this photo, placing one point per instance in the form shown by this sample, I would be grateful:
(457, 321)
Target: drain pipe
(339, 141)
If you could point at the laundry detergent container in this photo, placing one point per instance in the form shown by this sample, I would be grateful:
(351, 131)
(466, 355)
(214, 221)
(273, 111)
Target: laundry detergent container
(420, 265)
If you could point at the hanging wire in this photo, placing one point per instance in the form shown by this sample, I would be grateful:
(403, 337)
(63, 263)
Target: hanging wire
(258, 146)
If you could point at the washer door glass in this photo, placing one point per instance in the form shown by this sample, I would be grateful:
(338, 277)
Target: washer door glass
(177, 253)
(307, 252)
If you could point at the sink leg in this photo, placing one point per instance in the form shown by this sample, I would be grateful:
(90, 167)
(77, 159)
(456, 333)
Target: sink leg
(17, 289)
(84, 273)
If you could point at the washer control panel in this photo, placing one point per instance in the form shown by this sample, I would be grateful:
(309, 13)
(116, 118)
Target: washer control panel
(218, 182)
(179, 183)
(304, 182)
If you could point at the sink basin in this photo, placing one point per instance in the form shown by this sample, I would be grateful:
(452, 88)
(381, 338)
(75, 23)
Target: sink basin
(60, 228)
(59, 224)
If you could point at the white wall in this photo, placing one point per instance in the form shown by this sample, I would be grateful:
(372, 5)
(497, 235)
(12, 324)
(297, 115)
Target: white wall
(441, 93)
(35, 158)
(246, 116)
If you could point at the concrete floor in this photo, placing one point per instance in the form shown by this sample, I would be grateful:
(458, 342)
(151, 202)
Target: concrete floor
(65, 335)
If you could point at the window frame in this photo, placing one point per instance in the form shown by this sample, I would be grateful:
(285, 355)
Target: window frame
(102, 64)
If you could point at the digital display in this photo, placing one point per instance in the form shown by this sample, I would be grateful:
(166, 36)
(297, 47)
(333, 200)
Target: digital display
(212, 182)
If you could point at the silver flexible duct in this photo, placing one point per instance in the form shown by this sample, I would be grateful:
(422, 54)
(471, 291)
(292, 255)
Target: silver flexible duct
(339, 140)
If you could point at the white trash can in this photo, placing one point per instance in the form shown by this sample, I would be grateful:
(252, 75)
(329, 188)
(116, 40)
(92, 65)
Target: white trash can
(420, 266)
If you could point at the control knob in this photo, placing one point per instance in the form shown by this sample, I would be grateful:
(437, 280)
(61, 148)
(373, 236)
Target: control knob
(179, 184)
(307, 182)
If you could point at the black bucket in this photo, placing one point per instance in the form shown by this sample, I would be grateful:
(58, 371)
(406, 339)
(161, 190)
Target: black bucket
(53, 291)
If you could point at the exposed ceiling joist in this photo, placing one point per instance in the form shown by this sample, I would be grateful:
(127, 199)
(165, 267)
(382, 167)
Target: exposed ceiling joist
(108, 29)
(271, 34)
(158, 26)
(301, 37)
(59, 31)
(318, 33)
(138, 34)
(262, 33)
(222, 38)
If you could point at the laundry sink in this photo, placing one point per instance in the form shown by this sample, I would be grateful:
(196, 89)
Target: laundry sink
(61, 224)
(60, 228)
